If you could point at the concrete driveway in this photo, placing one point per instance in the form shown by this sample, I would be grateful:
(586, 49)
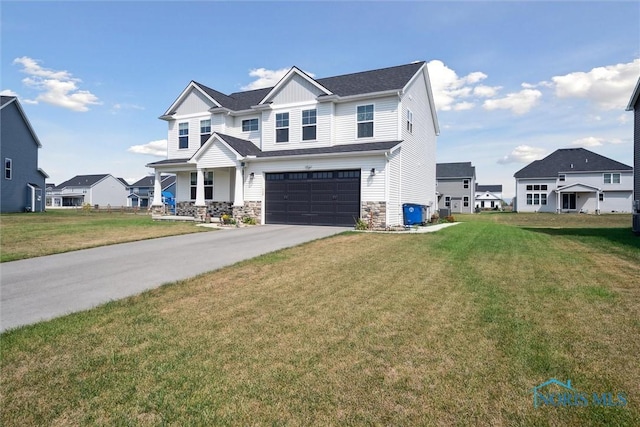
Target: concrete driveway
(43, 288)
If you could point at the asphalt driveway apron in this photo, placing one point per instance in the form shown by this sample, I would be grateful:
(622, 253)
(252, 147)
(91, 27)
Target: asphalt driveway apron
(47, 287)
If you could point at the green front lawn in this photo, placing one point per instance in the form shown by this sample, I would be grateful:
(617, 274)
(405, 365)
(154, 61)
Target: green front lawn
(448, 328)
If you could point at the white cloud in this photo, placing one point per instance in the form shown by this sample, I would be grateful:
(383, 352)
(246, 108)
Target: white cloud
(518, 102)
(589, 141)
(8, 92)
(154, 148)
(452, 92)
(523, 154)
(57, 88)
(119, 107)
(608, 87)
(624, 118)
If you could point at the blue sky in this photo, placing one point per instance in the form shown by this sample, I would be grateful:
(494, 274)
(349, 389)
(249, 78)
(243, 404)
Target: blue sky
(513, 81)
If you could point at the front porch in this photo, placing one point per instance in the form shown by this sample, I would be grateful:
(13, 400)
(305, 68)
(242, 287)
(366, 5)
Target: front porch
(578, 197)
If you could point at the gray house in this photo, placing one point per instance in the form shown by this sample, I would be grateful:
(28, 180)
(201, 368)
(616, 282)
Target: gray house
(456, 186)
(22, 185)
(141, 191)
(634, 105)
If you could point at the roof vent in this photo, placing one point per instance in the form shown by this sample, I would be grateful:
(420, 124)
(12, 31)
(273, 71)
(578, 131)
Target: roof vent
(571, 165)
(586, 160)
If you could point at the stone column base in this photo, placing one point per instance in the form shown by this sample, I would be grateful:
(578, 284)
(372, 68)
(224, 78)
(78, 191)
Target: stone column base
(201, 213)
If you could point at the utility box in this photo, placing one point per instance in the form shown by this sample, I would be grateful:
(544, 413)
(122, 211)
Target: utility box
(414, 214)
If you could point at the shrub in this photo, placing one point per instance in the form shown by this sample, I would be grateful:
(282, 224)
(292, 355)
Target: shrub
(435, 217)
(361, 225)
(248, 220)
(450, 218)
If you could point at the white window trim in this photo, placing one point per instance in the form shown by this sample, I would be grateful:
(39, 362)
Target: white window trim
(409, 121)
(249, 120)
(373, 121)
(181, 136)
(275, 136)
(314, 124)
(10, 168)
(611, 180)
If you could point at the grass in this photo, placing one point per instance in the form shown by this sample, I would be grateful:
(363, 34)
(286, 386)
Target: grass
(55, 231)
(447, 328)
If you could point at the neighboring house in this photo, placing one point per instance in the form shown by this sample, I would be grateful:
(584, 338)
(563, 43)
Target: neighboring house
(22, 185)
(102, 190)
(574, 180)
(456, 186)
(306, 151)
(634, 105)
(488, 197)
(141, 192)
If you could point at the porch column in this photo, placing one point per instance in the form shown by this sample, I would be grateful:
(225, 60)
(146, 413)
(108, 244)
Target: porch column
(157, 190)
(238, 194)
(558, 202)
(200, 188)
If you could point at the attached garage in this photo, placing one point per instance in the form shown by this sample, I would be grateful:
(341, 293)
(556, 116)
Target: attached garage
(313, 198)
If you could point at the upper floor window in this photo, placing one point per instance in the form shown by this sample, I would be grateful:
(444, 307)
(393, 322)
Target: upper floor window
(410, 122)
(205, 130)
(183, 135)
(365, 121)
(8, 168)
(250, 125)
(562, 177)
(447, 201)
(309, 125)
(282, 127)
(612, 178)
(465, 183)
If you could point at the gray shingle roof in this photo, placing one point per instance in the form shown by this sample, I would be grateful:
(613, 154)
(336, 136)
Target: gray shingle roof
(489, 188)
(568, 160)
(455, 170)
(82, 181)
(6, 99)
(149, 180)
(391, 78)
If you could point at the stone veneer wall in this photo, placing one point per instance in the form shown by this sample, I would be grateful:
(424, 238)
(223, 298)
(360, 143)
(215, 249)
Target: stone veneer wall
(376, 209)
(250, 209)
(214, 209)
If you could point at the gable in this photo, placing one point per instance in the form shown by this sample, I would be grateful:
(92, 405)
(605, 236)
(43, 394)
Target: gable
(215, 153)
(295, 90)
(193, 102)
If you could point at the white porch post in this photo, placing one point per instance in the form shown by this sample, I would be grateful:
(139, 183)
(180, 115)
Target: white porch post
(157, 190)
(238, 194)
(558, 202)
(200, 188)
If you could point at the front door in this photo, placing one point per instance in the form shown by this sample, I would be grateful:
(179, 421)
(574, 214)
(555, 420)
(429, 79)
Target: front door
(569, 201)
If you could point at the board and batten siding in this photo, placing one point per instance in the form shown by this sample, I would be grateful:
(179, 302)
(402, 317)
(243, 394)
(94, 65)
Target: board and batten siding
(217, 155)
(194, 103)
(296, 90)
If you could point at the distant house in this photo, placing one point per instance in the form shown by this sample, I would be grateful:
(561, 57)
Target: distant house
(23, 183)
(634, 105)
(324, 151)
(574, 180)
(102, 190)
(488, 196)
(456, 183)
(141, 191)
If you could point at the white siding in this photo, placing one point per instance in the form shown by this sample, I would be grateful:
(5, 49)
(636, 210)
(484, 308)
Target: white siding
(195, 102)
(385, 121)
(217, 155)
(109, 191)
(253, 136)
(323, 128)
(296, 90)
(418, 148)
(222, 183)
(394, 205)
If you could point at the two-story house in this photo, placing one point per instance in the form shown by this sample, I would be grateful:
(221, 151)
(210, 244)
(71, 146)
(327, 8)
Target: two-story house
(456, 186)
(102, 190)
(307, 151)
(489, 197)
(634, 105)
(574, 180)
(141, 191)
(22, 186)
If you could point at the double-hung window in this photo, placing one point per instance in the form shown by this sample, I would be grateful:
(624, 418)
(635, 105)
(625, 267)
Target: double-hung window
(365, 121)
(465, 183)
(309, 125)
(465, 201)
(282, 127)
(183, 135)
(8, 168)
(612, 178)
(208, 185)
(409, 121)
(447, 201)
(205, 130)
(250, 125)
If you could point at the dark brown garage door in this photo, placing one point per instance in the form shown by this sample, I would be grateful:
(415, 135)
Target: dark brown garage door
(313, 198)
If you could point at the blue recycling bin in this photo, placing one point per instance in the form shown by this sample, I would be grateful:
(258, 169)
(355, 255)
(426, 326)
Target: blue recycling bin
(414, 214)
